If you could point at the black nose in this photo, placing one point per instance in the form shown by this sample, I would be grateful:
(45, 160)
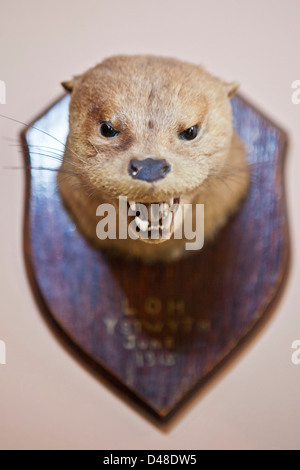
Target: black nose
(149, 169)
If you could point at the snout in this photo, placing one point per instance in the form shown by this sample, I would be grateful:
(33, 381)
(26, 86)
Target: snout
(149, 169)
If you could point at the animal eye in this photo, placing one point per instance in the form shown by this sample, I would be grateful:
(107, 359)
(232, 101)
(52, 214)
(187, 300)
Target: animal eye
(107, 130)
(190, 133)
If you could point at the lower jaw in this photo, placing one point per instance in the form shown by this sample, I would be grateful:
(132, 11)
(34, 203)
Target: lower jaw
(151, 237)
(156, 232)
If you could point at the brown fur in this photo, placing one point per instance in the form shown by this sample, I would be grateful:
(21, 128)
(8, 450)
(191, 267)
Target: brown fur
(150, 100)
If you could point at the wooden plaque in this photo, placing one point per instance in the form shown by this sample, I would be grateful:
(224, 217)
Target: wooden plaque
(160, 331)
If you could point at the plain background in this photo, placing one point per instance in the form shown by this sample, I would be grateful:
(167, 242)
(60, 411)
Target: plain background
(47, 399)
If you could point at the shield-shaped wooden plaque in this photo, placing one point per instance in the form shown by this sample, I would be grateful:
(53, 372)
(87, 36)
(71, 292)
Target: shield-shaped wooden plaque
(160, 331)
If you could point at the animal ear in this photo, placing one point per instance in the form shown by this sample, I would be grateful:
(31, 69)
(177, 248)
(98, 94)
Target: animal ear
(232, 88)
(69, 84)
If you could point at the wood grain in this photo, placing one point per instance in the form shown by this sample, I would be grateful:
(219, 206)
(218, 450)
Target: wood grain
(158, 332)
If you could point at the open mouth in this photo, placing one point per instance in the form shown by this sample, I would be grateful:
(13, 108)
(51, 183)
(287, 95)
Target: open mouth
(152, 222)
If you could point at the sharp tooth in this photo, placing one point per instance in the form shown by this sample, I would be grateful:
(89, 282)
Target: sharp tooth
(154, 212)
(132, 205)
(142, 224)
(142, 211)
(154, 232)
(164, 208)
(171, 202)
(168, 220)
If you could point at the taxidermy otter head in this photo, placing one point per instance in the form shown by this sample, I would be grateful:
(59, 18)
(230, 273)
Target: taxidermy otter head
(152, 129)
